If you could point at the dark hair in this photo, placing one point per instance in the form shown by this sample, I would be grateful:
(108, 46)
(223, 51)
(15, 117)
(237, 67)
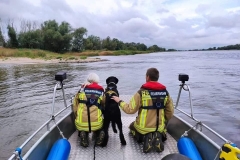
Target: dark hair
(153, 74)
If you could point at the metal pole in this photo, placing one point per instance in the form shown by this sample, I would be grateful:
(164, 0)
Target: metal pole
(204, 125)
(53, 102)
(190, 99)
(65, 102)
(192, 114)
(13, 156)
(34, 133)
(179, 93)
(224, 139)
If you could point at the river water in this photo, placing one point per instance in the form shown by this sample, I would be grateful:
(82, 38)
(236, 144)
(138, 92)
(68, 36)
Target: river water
(26, 90)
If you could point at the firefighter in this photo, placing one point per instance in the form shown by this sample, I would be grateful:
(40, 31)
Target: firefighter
(155, 108)
(87, 107)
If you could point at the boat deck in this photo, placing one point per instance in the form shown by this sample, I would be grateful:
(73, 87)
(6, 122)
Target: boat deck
(114, 149)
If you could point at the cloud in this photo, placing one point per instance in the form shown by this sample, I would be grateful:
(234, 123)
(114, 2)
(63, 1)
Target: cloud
(203, 8)
(183, 24)
(227, 21)
(162, 10)
(173, 23)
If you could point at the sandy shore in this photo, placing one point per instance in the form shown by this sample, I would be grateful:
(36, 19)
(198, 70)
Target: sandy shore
(14, 60)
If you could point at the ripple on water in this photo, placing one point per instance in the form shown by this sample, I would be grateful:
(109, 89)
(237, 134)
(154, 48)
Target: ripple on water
(26, 90)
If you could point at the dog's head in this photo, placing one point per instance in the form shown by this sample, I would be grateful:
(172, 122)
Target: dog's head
(111, 79)
(112, 86)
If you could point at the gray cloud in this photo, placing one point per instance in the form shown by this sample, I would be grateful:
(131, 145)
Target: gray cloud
(172, 22)
(134, 25)
(56, 6)
(126, 15)
(162, 10)
(202, 8)
(226, 21)
(22, 9)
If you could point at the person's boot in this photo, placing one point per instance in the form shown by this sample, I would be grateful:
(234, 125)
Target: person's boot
(147, 143)
(94, 136)
(137, 136)
(100, 138)
(157, 142)
(164, 137)
(84, 139)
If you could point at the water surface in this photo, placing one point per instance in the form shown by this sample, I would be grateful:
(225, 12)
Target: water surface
(26, 90)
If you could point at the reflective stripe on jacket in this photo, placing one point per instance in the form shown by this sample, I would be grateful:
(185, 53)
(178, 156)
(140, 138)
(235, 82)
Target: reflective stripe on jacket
(146, 119)
(81, 120)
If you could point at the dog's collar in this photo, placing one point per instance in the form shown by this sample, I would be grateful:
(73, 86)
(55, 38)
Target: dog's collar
(111, 82)
(111, 92)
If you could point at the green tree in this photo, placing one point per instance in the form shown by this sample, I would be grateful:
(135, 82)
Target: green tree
(78, 39)
(93, 43)
(56, 37)
(120, 45)
(52, 40)
(132, 48)
(51, 24)
(106, 43)
(2, 40)
(88, 44)
(141, 47)
(109, 44)
(155, 48)
(65, 30)
(60, 37)
(229, 47)
(31, 39)
(171, 50)
(12, 42)
(51, 36)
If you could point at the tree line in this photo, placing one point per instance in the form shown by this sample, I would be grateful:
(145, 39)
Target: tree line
(229, 47)
(61, 38)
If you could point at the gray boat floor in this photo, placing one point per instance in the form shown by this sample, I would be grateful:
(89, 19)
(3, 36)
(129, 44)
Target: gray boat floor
(114, 149)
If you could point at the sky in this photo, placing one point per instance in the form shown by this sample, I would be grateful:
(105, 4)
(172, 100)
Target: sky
(178, 24)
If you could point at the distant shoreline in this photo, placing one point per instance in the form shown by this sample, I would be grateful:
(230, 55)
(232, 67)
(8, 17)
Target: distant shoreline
(25, 60)
(36, 56)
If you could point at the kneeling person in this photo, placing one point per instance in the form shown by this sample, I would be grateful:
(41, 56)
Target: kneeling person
(155, 108)
(87, 109)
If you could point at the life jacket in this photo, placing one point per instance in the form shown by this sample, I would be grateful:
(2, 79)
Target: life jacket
(93, 96)
(155, 92)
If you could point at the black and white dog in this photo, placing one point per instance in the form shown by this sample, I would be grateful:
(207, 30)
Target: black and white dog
(112, 111)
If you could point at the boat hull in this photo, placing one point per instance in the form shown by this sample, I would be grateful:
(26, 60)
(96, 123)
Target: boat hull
(43, 146)
(176, 128)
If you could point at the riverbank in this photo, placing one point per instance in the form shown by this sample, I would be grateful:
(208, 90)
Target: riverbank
(25, 60)
(35, 56)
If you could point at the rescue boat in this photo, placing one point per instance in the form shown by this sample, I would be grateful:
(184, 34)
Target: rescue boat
(188, 138)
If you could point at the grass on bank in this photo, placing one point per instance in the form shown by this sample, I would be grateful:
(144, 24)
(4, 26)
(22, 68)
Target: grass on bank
(47, 55)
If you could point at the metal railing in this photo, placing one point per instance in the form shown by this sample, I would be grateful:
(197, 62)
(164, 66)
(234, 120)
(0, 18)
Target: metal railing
(186, 87)
(59, 86)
